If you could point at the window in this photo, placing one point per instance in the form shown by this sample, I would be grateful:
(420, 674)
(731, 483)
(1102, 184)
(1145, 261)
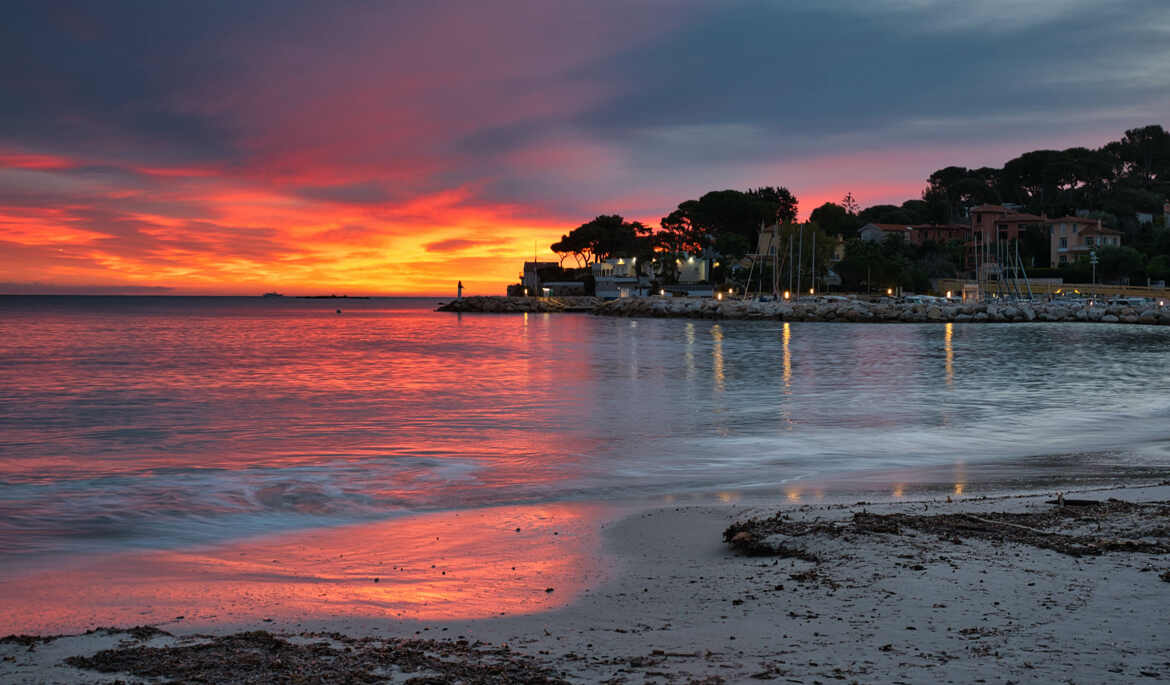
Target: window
(1064, 243)
(1089, 240)
(1064, 259)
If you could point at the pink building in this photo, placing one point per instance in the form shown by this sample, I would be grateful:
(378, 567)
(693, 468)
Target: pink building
(1074, 237)
(994, 227)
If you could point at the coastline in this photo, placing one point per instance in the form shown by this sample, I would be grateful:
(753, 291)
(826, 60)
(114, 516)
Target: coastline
(821, 309)
(681, 604)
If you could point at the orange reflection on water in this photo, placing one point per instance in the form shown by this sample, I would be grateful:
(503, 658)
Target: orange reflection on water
(452, 565)
(950, 349)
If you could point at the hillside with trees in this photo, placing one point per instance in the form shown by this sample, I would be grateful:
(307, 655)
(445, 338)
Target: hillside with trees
(1125, 183)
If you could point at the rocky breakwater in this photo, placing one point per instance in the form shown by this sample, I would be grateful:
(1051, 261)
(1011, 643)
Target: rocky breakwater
(505, 305)
(883, 312)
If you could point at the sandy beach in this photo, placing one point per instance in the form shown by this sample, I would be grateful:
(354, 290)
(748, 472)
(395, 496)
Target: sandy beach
(833, 596)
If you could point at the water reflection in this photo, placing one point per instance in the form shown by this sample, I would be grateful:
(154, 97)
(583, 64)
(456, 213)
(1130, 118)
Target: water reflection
(457, 565)
(717, 357)
(786, 337)
(172, 424)
(950, 351)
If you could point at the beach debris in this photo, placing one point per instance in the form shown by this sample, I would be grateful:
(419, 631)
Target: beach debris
(1072, 527)
(262, 657)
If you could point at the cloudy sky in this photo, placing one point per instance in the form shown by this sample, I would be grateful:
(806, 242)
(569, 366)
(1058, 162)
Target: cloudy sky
(396, 147)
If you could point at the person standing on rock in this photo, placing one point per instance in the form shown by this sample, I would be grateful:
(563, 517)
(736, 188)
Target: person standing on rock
(459, 294)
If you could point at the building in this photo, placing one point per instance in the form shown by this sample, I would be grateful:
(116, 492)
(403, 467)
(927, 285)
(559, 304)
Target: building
(994, 228)
(617, 277)
(693, 270)
(877, 233)
(939, 233)
(1073, 238)
(531, 277)
(916, 234)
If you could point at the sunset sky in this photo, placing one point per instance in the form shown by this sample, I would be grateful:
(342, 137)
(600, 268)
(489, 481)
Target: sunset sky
(397, 147)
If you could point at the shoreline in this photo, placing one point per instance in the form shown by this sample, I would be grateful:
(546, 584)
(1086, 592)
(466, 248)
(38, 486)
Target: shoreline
(681, 604)
(821, 309)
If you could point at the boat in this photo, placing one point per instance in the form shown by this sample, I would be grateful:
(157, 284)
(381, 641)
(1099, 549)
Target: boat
(272, 295)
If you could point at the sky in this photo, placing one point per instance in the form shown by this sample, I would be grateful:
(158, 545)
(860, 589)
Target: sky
(394, 148)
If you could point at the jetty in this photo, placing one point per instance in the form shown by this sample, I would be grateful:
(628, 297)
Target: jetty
(828, 309)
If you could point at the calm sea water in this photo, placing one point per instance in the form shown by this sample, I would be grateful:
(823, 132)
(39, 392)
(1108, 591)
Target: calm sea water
(141, 423)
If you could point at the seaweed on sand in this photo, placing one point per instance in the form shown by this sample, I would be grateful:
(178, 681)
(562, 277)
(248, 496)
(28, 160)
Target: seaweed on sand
(1083, 529)
(261, 657)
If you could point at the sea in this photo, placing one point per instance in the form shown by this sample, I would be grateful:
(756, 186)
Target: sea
(153, 448)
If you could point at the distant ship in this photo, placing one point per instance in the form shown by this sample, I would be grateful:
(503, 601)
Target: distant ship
(272, 295)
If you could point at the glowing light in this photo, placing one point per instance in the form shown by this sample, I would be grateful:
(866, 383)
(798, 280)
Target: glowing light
(662, 292)
(787, 294)
(811, 291)
(958, 488)
(731, 291)
(889, 291)
(719, 296)
(948, 294)
(950, 349)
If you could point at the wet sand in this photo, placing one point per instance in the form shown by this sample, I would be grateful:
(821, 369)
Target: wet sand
(679, 604)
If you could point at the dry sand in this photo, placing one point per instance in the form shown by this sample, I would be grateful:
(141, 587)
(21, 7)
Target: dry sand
(681, 606)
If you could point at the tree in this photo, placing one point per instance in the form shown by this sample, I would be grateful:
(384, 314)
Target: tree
(604, 237)
(776, 204)
(850, 203)
(1117, 263)
(835, 220)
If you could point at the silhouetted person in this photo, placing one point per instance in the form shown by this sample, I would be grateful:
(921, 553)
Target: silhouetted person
(459, 296)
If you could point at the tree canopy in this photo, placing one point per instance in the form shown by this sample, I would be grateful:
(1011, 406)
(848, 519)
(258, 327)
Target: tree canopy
(608, 235)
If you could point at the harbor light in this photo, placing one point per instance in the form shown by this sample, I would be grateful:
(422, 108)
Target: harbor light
(718, 296)
(948, 294)
(731, 291)
(1161, 303)
(889, 291)
(811, 291)
(662, 292)
(526, 292)
(787, 294)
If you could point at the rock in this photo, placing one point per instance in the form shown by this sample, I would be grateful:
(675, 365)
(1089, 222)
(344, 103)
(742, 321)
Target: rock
(1110, 318)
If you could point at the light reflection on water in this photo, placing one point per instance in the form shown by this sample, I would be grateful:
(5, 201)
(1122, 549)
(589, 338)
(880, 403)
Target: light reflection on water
(159, 422)
(443, 566)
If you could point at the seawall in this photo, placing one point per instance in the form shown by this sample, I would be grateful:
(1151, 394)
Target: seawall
(884, 312)
(858, 311)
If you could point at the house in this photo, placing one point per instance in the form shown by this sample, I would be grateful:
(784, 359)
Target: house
(876, 233)
(993, 228)
(939, 233)
(561, 288)
(693, 270)
(531, 277)
(1075, 237)
(617, 277)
